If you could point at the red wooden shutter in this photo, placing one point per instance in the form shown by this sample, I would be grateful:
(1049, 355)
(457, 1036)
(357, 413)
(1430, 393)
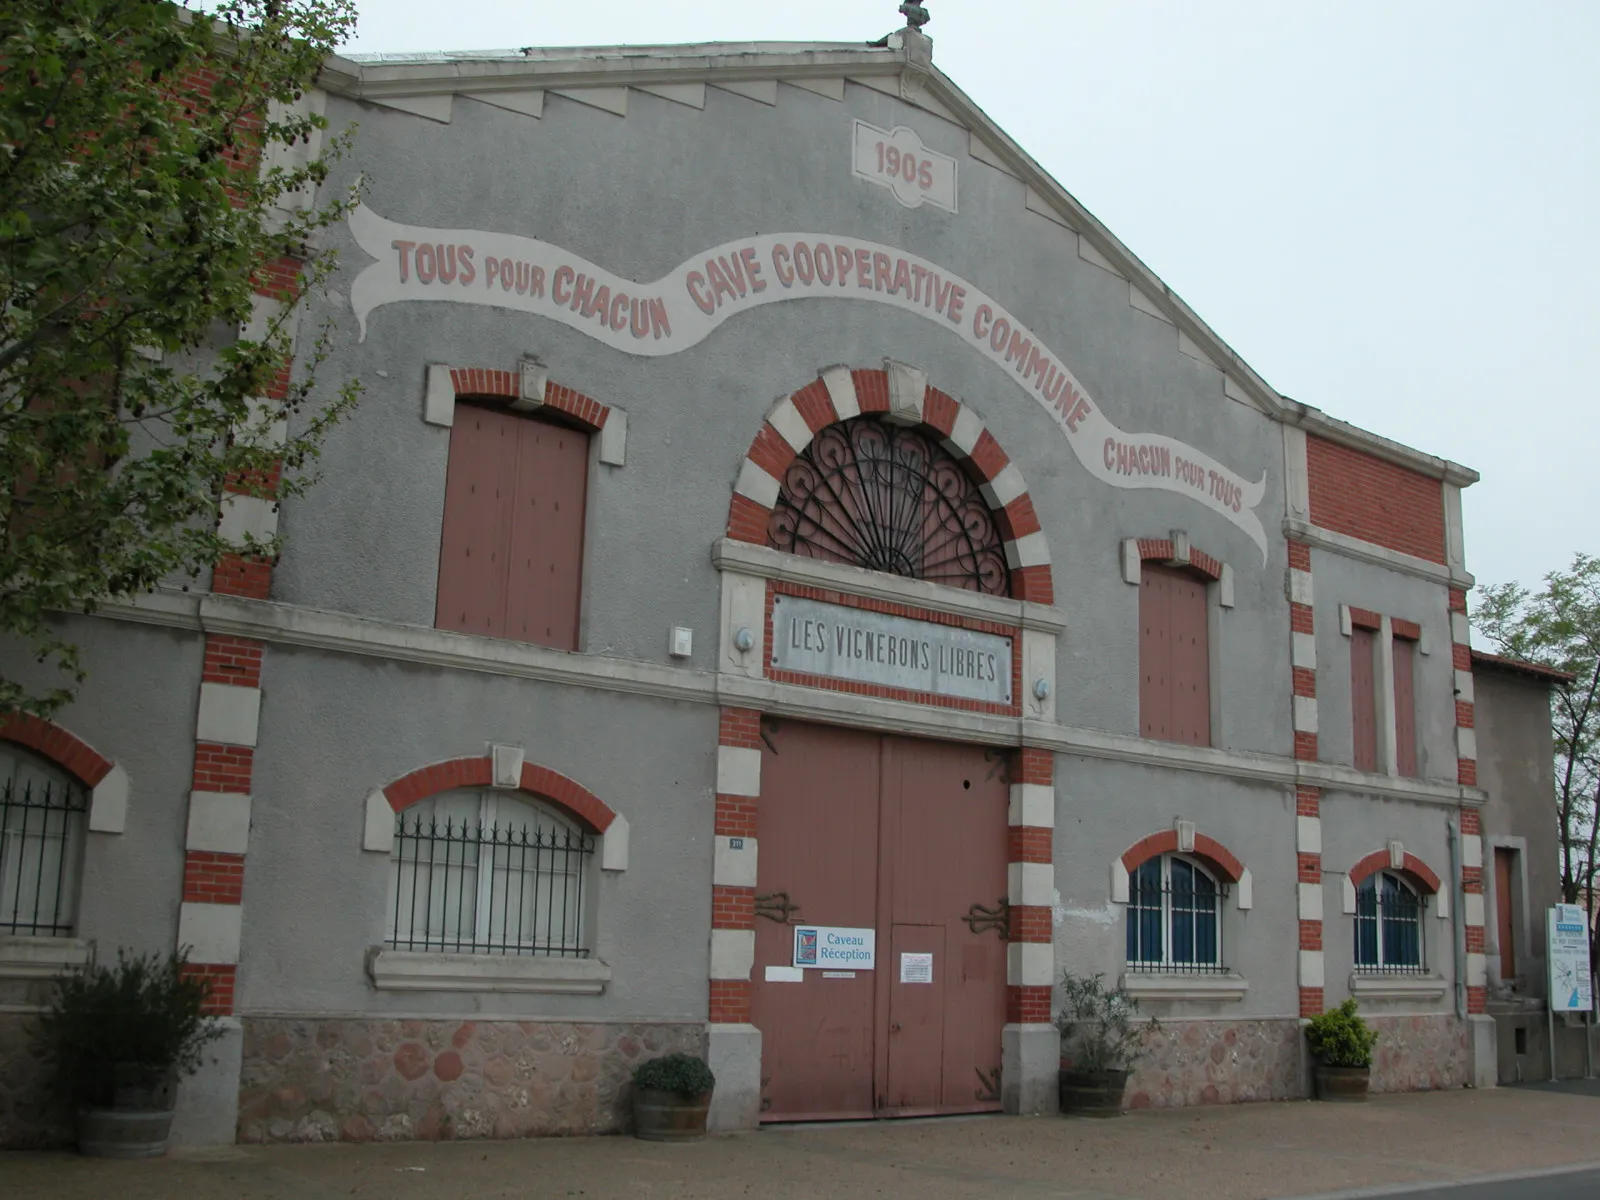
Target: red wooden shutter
(1405, 707)
(1363, 699)
(479, 493)
(1174, 657)
(1504, 872)
(511, 548)
(1155, 652)
(1191, 662)
(546, 574)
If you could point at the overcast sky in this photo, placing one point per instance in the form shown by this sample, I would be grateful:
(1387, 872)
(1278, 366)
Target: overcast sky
(1387, 208)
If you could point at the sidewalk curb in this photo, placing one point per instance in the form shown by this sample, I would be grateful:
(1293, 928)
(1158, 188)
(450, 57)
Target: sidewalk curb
(1380, 1190)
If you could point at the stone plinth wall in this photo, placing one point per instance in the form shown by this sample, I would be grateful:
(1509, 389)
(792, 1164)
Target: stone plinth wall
(1421, 1054)
(1218, 1062)
(363, 1079)
(28, 1119)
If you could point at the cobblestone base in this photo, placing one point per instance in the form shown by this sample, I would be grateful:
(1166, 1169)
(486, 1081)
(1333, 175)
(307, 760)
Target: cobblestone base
(1421, 1054)
(28, 1121)
(1218, 1062)
(361, 1080)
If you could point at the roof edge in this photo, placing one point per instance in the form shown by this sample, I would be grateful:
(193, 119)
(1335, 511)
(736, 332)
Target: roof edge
(1521, 666)
(908, 53)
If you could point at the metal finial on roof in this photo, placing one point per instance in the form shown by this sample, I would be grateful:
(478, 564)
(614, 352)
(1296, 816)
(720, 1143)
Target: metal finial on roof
(916, 15)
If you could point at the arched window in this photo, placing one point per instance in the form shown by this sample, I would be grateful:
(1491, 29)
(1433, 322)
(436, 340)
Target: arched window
(1174, 916)
(1388, 925)
(489, 872)
(43, 813)
(888, 498)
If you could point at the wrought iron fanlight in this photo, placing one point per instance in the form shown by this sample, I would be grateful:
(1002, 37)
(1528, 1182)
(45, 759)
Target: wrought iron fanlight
(887, 498)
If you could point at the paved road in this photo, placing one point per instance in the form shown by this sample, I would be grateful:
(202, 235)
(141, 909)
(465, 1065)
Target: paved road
(1437, 1141)
(1583, 1184)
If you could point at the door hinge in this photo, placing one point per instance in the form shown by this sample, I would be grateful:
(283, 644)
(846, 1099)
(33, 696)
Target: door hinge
(776, 906)
(982, 920)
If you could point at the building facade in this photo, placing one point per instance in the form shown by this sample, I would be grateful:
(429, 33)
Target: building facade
(794, 585)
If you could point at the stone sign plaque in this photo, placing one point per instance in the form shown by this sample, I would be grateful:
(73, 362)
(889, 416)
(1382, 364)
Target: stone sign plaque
(898, 652)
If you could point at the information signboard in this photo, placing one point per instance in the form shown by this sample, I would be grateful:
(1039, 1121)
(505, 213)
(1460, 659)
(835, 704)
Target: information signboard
(1570, 985)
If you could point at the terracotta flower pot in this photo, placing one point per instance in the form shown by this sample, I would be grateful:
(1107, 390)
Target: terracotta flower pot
(1341, 1083)
(669, 1116)
(1092, 1093)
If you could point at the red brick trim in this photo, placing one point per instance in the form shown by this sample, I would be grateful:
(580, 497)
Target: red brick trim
(1310, 1001)
(729, 1001)
(549, 785)
(213, 878)
(219, 768)
(772, 454)
(1035, 765)
(1379, 502)
(1030, 844)
(1409, 630)
(232, 660)
(1028, 1005)
(67, 750)
(732, 907)
(1031, 923)
(1365, 618)
(1162, 550)
(1378, 860)
(219, 980)
(778, 588)
(1215, 855)
(486, 382)
(1311, 935)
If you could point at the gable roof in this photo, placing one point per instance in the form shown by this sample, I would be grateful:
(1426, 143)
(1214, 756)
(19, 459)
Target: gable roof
(900, 65)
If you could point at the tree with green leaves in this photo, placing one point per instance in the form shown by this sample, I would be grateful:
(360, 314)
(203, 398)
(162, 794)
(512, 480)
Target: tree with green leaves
(1559, 626)
(156, 177)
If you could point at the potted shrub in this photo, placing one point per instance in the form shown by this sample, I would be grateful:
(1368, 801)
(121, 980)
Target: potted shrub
(1099, 1043)
(118, 1039)
(1342, 1044)
(671, 1097)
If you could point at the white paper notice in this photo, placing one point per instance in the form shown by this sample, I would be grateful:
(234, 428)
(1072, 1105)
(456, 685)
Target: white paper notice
(916, 968)
(838, 974)
(785, 975)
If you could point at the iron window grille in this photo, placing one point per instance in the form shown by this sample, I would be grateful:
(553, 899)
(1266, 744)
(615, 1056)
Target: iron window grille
(885, 497)
(1175, 918)
(43, 815)
(481, 873)
(1388, 928)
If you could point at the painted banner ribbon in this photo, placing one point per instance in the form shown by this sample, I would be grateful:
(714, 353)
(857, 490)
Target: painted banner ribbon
(671, 314)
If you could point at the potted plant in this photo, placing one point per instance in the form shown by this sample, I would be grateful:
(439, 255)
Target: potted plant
(1099, 1043)
(118, 1039)
(1342, 1044)
(671, 1097)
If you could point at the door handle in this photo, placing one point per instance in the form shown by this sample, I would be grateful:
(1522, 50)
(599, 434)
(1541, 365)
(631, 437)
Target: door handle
(895, 1028)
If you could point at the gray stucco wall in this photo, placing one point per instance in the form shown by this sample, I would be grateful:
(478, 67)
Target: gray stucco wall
(366, 539)
(340, 727)
(1339, 580)
(1516, 766)
(1354, 826)
(1103, 808)
(137, 709)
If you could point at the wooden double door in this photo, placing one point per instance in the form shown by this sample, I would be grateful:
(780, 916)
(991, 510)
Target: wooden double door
(907, 838)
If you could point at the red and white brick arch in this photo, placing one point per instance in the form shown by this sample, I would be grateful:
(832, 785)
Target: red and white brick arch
(527, 389)
(1395, 857)
(902, 394)
(105, 781)
(1184, 838)
(1176, 550)
(505, 768)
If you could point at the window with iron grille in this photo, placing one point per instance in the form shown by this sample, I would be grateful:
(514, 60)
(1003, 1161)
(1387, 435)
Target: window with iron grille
(1388, 926)
(488, 873)
(1174, 917)
(42, 818)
